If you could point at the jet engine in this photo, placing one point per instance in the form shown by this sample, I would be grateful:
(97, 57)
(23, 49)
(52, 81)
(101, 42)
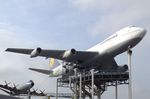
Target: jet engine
(36, 52)
(122, 68)
(69, 53)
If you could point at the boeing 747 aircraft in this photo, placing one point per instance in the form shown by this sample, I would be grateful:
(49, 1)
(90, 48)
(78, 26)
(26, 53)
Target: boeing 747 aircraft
(100, 57)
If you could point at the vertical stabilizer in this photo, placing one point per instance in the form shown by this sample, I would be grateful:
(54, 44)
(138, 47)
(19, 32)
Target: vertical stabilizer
(53, 63)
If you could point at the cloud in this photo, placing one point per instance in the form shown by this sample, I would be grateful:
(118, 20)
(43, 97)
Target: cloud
(14, 67)
(58, 24)
(113, 15)
(84, 4)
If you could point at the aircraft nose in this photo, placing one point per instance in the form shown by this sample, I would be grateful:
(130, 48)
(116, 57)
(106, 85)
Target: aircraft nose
(142, 32)
(32, 84)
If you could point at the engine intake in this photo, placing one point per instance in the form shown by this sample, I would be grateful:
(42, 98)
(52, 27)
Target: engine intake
(36, 52)
(69, 53)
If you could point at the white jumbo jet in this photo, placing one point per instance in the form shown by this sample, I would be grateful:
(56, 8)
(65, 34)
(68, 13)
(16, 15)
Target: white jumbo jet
(100, 57)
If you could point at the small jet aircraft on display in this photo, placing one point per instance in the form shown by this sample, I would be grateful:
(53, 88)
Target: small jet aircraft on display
(100, 57)
(22, 90)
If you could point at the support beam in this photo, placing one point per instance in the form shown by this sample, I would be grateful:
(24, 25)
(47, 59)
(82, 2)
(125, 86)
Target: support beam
(29, 94)
(116, 90)
(86, 92)
(92, 83)
(99, 94)
(75, 84)
(129, 52)
(57, 89)
(80, 86)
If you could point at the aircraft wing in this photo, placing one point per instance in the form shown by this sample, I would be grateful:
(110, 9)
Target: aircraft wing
(8, 92)
(6, 87)
(79, 56)
(47, 72)
(83, 58)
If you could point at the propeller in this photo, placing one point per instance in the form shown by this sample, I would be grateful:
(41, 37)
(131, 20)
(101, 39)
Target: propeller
(34, 90)
(15, 86)
(6, 84)
(42, 92)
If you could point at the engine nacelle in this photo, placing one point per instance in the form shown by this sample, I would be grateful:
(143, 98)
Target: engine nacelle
(69, 53)
(122, 68)
(36, 52)
(26, 86)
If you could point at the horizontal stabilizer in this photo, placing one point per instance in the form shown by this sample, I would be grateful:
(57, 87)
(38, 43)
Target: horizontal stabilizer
(47, 72)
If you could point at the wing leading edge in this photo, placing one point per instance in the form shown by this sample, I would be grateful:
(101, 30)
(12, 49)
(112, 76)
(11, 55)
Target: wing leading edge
(81, 56)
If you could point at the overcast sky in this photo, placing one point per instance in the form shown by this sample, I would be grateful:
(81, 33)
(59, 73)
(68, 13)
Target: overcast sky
(66, 24)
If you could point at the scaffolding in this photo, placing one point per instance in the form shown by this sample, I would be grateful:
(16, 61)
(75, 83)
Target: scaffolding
(83, 85)
(90, 84)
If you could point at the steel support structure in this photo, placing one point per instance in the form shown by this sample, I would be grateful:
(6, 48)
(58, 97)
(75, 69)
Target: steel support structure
(57, 89)
(129, 52)
(29, 94)
(75, 84)
(92, 83)
(80, 86)
(116, 90)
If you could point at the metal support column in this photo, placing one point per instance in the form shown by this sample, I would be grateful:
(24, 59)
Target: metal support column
(80, 86)
(75, 84)
(29, 94)
(57, 89)
(116, 89)
(92, 72)
(130, 76)
(99, 95)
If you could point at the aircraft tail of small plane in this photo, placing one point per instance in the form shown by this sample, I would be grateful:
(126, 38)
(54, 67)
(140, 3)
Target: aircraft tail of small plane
(53, 63)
